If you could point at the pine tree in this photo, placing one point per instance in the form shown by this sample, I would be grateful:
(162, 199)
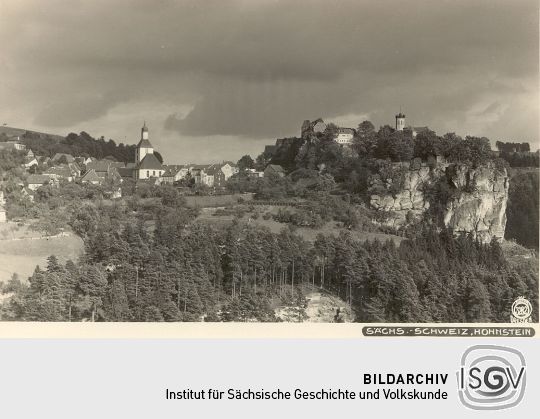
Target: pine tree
(93, 285)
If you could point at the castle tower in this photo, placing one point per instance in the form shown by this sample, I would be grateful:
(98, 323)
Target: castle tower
(400, 121)
(144, 147)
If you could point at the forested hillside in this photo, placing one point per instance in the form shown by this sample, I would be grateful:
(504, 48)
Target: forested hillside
(143, 264)
(77, 145)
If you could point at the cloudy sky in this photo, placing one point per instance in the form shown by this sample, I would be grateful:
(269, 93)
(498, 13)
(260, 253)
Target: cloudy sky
(216, 79)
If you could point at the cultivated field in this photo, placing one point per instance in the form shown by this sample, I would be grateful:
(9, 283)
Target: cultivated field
(213, 201)
(22, 249)
(309, 234)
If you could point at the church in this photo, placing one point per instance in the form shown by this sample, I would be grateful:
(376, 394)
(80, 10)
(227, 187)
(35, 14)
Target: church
(147, 164)
(400, 125)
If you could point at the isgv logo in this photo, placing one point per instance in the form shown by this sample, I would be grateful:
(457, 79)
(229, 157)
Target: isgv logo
(491, 377)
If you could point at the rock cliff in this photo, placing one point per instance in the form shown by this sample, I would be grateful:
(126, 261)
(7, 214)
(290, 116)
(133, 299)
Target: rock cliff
(474, 202)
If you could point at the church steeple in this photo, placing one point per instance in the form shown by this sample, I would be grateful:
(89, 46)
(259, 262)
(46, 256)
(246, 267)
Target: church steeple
(144, 132)
(144, 147)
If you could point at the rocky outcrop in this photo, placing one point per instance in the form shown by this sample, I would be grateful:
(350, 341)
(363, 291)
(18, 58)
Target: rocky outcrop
(476, 201)
(481, 208)
(410, 201)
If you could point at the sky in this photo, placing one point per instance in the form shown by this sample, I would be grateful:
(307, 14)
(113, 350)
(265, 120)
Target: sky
(217, 79)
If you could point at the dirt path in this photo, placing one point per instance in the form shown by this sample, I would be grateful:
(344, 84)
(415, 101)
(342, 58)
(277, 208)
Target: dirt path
(322, 308)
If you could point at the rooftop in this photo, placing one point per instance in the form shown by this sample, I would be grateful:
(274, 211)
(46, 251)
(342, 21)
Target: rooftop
(91, 176)
(38, 179)
(149, 162)
(145, 144)
(275, 167)
(99, 165)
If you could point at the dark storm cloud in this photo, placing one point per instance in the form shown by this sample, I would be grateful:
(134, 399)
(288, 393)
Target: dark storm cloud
(257, 68)
(263, 108)
(87, 108)
(300, 40)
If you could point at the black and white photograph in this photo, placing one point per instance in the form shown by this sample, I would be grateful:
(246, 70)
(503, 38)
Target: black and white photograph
(270, 161)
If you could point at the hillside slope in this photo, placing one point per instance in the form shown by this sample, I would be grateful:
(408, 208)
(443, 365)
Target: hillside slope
(13, 132)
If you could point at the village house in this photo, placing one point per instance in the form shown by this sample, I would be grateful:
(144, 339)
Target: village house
(91, 177)
(201, 176)
(27, 193)
(125, 172)
(168, 176)
(75, 169)
(213, 176)
(113, 174)
(12, 145)
(175, 172)
(220, 179)
(116, 193)
(103, 167)
(97, 171)
(86, 160)
(220, 172)
(182, 172)
(30, 163)
(252, 173)
(36, 181)
(114, 163)
(58, 173)
(30, 160)
(344, 136)
(229, 169)
(274, 170)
